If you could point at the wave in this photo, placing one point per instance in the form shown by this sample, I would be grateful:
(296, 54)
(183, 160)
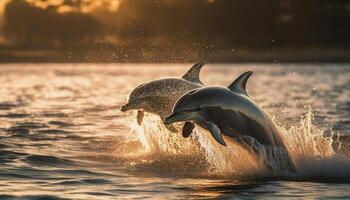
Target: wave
(33, 197)
(152, 148)
(48, 160)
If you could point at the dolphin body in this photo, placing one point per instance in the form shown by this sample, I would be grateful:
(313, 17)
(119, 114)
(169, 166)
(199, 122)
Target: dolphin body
(159, 96)
(228, 111)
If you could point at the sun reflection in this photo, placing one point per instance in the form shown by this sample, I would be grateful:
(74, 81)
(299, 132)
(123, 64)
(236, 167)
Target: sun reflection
(85, 6)
(64, 9)
(45, 4)
(2, 5)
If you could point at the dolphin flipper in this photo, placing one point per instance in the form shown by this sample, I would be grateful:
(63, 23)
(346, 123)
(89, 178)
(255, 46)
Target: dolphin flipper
(171, 128)
(187, 129)
(215, 132)
(140, 114)
(239, 85)
(193, 73)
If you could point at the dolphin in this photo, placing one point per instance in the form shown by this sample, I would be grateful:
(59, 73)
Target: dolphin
(227, 111)
(159, 96)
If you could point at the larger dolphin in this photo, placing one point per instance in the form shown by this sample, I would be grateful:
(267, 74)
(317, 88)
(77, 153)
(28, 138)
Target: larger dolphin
(227, 111)
(159, 96)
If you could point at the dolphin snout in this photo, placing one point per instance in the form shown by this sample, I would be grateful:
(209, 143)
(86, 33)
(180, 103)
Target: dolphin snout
(169, 119)
(175, 117)
(124, 108)
(132, 105)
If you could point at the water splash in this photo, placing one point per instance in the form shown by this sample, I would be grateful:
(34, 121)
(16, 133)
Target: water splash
(311, 151)
(219, 161)
(156, 138)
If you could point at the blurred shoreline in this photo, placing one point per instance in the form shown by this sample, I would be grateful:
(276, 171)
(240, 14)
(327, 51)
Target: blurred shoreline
(173, 31)
(101, 54)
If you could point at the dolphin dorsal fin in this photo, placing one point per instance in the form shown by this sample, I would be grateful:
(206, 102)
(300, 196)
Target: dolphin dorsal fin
(193, 73)
(239, 85)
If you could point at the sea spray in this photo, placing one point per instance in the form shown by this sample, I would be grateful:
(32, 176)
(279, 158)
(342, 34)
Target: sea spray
(305, 141)
(226, 161)
(309, 150)
(313, 152)
(155, 138)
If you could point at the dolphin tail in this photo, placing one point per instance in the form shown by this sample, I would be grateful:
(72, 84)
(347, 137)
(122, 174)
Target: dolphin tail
(239, 85)
(193, 73)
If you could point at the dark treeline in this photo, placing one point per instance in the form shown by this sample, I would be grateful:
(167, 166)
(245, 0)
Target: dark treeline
(28, 25)
(227, 24)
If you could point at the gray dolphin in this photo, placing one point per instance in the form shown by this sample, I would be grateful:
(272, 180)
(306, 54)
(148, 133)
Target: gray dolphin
(227, 111)
(159, 96)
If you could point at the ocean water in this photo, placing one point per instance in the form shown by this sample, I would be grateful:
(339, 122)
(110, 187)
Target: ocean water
(62, 135)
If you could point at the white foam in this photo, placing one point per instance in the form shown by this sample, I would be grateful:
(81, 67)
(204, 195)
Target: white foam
(311, 151)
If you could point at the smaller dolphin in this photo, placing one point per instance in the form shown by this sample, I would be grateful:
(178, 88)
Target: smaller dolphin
(227, 111)
(159, 96)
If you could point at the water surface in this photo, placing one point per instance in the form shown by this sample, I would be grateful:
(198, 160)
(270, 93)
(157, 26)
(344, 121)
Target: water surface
(62, 135)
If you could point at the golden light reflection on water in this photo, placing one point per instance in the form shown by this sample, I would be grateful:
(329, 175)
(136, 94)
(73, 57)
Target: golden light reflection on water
(62, 134)
(84, 6)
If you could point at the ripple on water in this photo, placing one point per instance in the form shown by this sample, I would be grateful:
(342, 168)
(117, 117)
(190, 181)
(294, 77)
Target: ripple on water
(53, 131)
(28, 125)
(7, 106)
(92, 181)
(62, 136)
(18, 131)
(7, 156)
(48, 161)
(37, 131)
(15, 115)
(343, 106)
(54, 115)
(8, 153)
(61, 123)
(31, 197)
(3, 146)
